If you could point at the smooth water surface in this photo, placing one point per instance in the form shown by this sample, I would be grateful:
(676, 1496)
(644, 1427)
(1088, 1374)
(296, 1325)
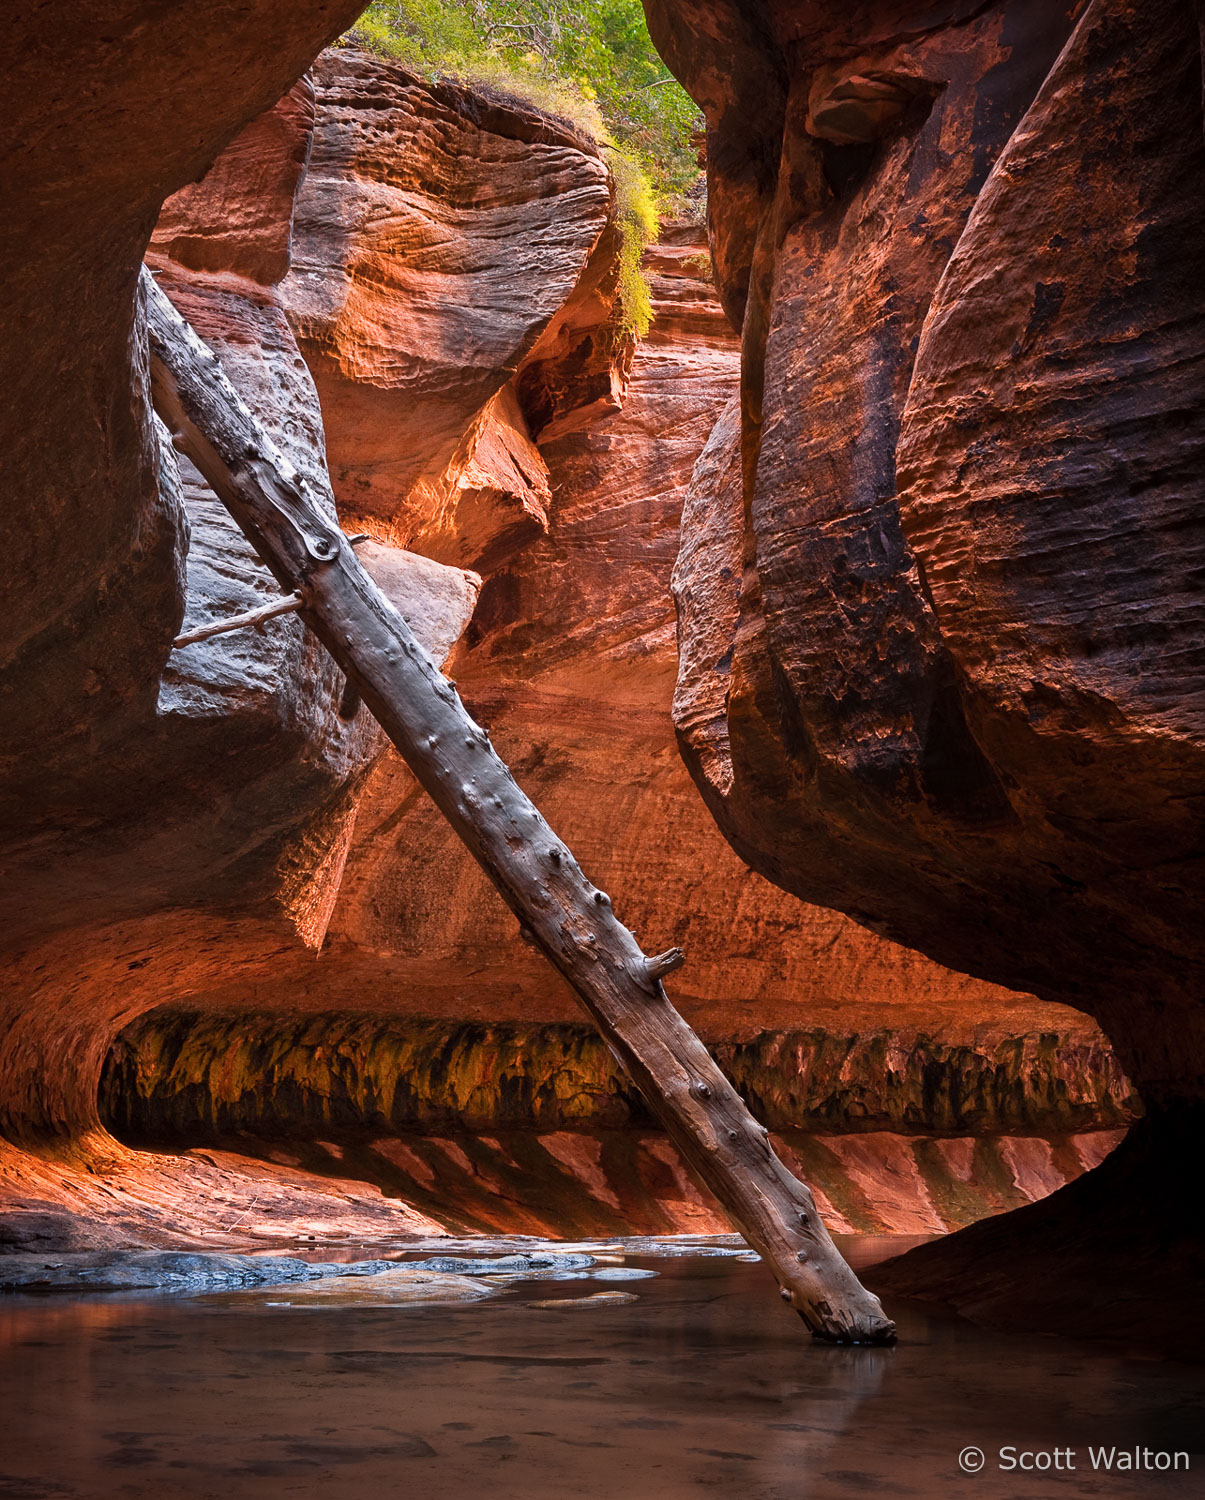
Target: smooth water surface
(704, 1384)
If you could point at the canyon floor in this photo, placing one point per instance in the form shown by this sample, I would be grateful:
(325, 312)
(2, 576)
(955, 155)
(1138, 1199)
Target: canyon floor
(604, 1382)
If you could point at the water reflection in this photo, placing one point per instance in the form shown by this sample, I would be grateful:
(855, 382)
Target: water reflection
(705, 1384)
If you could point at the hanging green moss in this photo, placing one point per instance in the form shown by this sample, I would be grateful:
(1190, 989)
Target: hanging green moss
(637, 213)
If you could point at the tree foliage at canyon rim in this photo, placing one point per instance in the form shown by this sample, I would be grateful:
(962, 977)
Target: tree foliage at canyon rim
(590, 61)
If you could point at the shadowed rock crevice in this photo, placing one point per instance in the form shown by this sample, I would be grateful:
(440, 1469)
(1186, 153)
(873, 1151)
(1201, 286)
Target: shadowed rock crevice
(180, 1075)
(1154, 1239)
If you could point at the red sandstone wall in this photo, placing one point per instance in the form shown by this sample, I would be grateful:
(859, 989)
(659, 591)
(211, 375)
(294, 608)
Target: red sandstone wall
(952, 685)
(220, 830)
(949, 682)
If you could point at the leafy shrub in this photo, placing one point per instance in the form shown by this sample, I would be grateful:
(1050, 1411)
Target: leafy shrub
(591, 62)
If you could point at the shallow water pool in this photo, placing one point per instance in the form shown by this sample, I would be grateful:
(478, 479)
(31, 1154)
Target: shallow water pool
(704, 1383)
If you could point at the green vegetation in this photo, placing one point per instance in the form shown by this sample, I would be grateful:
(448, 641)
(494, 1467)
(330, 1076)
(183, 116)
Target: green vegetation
(636, 210)
(590, 62)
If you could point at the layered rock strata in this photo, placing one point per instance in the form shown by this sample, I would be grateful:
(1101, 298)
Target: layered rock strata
(570, 661)
(939, 596)
(439, 267)
(439, 234)
(219, 815)
(959, 701)
(94, 523)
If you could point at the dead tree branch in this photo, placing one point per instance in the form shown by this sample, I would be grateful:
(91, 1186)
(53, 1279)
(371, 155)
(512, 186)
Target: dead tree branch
(537, 876)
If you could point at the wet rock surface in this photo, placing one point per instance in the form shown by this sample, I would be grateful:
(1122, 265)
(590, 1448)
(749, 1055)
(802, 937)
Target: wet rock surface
(182, 1075)
(163, 1271)
(575, 1182)
(435, 1277)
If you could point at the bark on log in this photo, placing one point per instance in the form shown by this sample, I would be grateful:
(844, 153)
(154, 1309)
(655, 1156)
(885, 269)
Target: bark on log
(535, 873)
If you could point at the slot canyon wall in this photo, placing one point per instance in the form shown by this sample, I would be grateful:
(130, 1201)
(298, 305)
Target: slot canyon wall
(306, 991)
(939, 592)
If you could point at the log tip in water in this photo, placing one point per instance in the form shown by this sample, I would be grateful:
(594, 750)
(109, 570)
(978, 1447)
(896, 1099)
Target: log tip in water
(863, 1323)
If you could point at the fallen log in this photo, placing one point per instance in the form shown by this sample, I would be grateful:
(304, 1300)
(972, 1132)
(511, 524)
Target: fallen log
(558, 908)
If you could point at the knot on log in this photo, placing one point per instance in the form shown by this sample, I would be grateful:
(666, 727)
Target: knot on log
(658, 967)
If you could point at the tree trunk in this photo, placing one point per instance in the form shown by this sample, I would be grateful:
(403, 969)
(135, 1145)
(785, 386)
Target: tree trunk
(537, 876)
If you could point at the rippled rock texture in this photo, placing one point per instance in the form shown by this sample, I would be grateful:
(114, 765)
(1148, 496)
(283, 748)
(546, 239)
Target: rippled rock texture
(957, 696)
(940, 584)
(415, 286)
(439, 233)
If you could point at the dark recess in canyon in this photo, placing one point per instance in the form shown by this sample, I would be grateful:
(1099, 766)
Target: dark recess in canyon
(939, 635)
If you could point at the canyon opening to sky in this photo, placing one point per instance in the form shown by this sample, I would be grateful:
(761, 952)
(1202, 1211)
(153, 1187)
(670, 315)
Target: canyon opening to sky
(602, 747)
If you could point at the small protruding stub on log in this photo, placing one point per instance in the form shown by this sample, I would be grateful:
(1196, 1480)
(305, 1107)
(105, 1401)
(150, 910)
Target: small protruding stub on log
(658, 967)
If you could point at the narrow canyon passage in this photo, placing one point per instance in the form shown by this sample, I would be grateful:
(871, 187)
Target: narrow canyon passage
(785, 435)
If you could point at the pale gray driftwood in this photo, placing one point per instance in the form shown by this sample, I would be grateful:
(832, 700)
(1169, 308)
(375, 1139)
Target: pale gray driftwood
(557, 906)
(250, 618)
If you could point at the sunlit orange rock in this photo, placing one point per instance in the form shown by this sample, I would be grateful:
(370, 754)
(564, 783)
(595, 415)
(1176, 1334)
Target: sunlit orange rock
(437, 233)
(228, 845)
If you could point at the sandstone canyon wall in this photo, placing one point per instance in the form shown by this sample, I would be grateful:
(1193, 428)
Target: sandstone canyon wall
(939, 593)
(235, 790)
(424, 278)
(111, 812)
(447, 1023)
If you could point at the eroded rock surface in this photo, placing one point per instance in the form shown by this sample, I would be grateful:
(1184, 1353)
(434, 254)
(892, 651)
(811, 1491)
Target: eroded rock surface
(107, 114)
(954, 688)
(185, 1075)
(953, 692)
(425, 1013)
(438, 233)
(211, 822)
(232, 788)
(632, 1181)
